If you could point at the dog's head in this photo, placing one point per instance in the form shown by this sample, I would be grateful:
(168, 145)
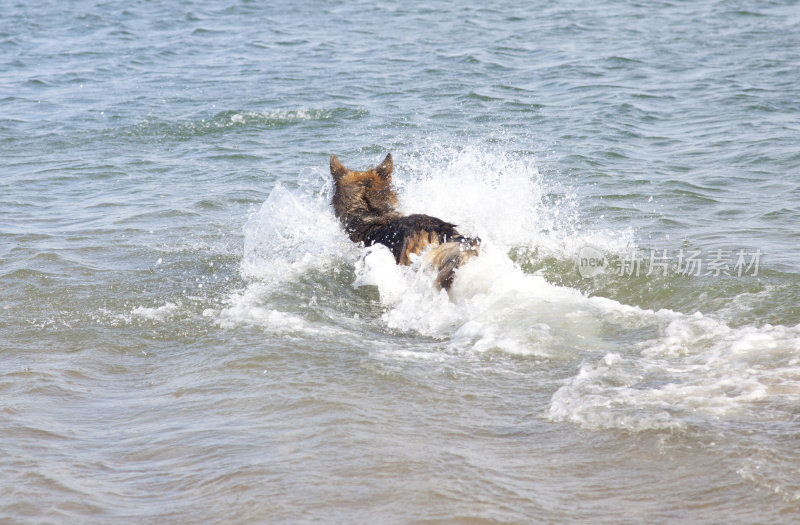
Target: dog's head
(360, 194)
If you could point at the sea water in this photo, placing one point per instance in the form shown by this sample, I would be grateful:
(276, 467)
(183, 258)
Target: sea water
(187, 334)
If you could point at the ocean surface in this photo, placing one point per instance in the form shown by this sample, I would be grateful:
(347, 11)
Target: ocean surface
(188, 336)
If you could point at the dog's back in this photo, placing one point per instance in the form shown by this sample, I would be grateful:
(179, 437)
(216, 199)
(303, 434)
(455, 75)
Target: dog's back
(365, 203)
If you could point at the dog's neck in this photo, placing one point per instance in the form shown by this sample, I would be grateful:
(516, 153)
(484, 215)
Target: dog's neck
(359, 227)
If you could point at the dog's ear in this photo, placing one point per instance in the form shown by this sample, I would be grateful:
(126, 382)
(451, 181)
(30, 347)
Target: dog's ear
(384, 169)
(337, 168)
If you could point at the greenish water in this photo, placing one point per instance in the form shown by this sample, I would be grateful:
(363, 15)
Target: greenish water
(188, 336)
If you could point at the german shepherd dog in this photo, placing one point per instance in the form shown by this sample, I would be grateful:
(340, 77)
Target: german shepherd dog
(366, 205)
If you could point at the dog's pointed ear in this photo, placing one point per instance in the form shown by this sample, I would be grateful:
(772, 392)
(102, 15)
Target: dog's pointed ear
(337, 168)
(385, 168)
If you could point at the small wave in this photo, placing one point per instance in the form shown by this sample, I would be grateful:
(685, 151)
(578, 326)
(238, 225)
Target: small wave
(159, 313)
(247, 308)
(235, 120)
(695, 366)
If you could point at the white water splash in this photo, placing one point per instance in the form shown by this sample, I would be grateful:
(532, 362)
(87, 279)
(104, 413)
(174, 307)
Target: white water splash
(641, 369)
(500, 197)
(290, 234)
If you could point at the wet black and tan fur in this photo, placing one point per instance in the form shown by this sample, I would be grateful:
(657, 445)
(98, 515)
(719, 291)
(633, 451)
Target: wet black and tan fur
(366, 205)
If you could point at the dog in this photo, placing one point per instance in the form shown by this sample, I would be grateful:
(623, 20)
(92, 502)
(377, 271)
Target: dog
(366, 205)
